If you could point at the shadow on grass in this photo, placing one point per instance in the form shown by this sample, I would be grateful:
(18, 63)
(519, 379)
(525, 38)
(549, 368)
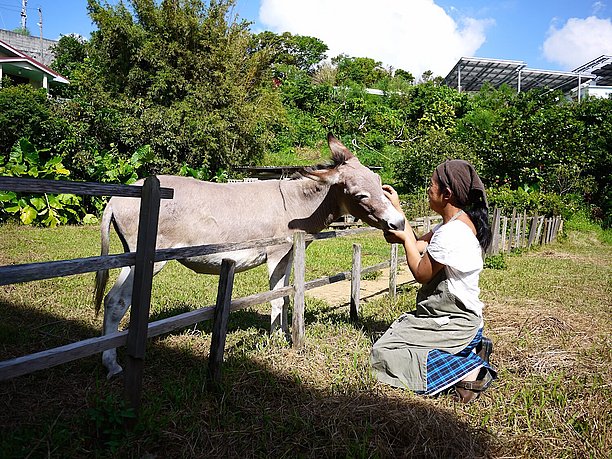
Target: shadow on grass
(262, 410)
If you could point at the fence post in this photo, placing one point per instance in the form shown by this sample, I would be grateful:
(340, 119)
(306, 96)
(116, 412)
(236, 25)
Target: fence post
(494, 247)
(524, 230)
(503, 234)
(221, 317)
(532, 230)
(393, 272)
(141, 290)
(512, 229)
(557, 225)
(299, 275)
(355, 282)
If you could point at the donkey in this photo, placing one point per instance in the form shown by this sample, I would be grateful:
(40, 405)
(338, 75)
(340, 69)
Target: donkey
(209, 213)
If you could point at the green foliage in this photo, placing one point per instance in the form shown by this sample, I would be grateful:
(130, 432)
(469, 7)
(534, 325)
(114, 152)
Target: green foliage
(110, 417)
(180, 79)
(302, 52)
(109, 167)
(414, 168)
(46, 210)
(533, 201)
(497, 261)
(27, 112)
(70, 54)
(361, 70)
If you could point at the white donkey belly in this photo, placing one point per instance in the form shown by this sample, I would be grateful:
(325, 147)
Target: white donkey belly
(211, 264)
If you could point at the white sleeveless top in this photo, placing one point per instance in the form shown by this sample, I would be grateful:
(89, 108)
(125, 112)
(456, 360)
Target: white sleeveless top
(455, 246)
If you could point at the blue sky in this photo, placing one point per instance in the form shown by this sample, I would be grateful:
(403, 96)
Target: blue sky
(415, 35)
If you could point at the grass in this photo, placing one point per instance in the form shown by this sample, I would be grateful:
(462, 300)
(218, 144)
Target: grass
(548, 313)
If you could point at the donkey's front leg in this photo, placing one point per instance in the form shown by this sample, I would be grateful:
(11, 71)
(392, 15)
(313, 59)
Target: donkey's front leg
(279, 271)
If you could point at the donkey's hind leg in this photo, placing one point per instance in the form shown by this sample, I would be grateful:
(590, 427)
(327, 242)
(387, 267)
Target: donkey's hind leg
(279, 270)
(116, 304)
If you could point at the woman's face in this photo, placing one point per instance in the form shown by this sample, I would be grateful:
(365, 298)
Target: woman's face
(434, 194)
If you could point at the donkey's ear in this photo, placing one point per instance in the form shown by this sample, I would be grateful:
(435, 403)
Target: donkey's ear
(340, 154)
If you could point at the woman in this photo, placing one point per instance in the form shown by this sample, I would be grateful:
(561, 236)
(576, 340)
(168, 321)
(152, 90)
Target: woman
(440, 344)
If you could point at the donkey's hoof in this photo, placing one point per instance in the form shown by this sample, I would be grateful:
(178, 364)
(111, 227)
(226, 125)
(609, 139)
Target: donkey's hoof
(113, 372)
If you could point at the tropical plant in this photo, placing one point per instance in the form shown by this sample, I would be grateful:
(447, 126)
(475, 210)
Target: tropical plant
(46, 209)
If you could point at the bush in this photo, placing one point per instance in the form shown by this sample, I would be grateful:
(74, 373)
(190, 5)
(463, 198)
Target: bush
(533, 201)
(26, 112)
(47, 209)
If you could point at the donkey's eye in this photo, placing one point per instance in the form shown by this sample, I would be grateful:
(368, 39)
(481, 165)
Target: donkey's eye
(361, 197)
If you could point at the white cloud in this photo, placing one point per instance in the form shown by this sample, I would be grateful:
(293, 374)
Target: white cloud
(578, 41)
(414, 35)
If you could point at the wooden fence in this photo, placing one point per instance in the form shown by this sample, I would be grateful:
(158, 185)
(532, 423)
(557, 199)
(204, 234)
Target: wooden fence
(522, 231)
(143, 260)
(516, 231)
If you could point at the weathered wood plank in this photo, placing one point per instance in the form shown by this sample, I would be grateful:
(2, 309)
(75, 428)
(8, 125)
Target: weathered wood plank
(355, 282)
(393, 272)
(532, 230)
(503, 233)
(63, 354)
(221, 317)
(298, 328)
(141, 290)
(13, 274)
(28, 185)
(46, 270)
(494, 247)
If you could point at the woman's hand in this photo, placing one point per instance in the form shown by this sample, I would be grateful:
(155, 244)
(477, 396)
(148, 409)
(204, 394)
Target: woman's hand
(392, 196)
(395, 237)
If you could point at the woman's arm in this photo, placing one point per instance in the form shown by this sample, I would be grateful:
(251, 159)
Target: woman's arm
(423, 242)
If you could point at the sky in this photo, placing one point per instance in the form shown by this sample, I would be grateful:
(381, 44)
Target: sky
(414, 35)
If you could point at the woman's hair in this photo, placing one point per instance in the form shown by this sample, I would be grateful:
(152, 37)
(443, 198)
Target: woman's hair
(480, 218)
(476, 208)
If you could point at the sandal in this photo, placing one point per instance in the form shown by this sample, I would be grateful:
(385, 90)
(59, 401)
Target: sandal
(484, 349)
(470, 390)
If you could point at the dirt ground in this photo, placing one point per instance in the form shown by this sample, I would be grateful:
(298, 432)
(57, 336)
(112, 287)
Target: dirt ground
(339, 293)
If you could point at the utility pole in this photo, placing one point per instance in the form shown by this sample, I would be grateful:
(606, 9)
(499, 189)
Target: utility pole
(42, 48)
(24, 14)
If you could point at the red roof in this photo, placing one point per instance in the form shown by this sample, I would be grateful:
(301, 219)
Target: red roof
(22, 57)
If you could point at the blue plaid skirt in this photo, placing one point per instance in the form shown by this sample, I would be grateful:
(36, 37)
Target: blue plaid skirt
(445, 370)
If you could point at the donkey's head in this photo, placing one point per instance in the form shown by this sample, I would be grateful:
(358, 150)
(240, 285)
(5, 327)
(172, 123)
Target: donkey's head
(361, 193)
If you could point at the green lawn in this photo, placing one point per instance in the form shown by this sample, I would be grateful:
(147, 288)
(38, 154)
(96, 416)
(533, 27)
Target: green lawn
(548, 312)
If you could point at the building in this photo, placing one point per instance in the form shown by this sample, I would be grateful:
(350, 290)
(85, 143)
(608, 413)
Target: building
(23, 69)
(40, 49)
(471, 73)
(601, 69)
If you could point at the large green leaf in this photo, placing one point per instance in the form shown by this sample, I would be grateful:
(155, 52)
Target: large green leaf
(28, 214)
(38, 203)
(7, 196)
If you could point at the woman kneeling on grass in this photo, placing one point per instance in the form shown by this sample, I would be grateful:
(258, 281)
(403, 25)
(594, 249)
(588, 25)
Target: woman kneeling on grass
(440, 345)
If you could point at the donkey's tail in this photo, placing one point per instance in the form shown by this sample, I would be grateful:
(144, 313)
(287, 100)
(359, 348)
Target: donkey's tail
(102, 276)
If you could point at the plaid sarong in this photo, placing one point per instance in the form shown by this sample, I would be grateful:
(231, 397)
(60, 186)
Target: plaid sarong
(445, 370)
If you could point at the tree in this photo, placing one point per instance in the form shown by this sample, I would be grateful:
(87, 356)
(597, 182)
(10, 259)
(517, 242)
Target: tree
(69, 53)
(361, 70)
(176, 75)
(404, 75)
(301, 51)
